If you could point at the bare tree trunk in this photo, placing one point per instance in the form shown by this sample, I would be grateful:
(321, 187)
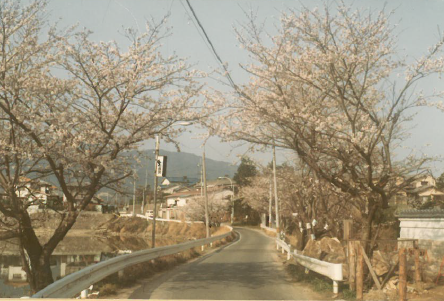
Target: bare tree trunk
(36, 258)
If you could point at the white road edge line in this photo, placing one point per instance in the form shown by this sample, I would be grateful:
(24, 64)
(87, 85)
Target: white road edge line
(240, 237)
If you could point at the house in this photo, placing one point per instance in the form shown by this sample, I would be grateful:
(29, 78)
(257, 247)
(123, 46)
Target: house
(184, 181)
(170, 185)
(216, 193)
(424, 189)
(180, 199)
(35, 192)
(220, 183)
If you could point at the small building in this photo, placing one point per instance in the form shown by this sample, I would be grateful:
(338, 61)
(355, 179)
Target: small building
(427, 227)
(182, 181)
(182, 198)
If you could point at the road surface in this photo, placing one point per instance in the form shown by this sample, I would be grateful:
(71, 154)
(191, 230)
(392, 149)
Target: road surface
(248, 269)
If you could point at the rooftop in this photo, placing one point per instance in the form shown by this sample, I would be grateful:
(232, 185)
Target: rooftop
(416, 213)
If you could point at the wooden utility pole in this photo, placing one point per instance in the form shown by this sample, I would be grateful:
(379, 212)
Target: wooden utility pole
(144, 192)
(134, 194)
(275, 191)
(359, 274)
(270, 209)
(207, 218)
(156, 155)
(402, 285)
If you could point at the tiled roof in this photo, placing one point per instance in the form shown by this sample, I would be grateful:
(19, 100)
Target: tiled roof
(182, 180)
(426, 213)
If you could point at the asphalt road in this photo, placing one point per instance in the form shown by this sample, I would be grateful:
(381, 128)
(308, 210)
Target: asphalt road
(248, 269)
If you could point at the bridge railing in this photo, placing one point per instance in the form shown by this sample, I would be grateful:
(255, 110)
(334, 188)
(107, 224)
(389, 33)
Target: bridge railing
(73, 284)
(330, 270)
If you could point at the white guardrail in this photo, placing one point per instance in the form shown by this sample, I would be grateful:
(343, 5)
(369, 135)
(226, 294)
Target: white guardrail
(161, 219)
(331, 270)
(74, 283)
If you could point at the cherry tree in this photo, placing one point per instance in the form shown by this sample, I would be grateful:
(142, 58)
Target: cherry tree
(331, 87)
(218, 207)
(303, 198)
(76, 109)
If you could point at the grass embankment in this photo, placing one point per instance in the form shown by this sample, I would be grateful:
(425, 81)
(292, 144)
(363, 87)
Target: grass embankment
(168, 234)
(141, 227)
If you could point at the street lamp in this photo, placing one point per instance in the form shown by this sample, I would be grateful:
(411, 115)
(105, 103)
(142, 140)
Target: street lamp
(232, 198)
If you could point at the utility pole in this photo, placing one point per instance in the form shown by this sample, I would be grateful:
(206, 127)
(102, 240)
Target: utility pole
(207, 218)
(134, 194)
(275, 191)
(153, 233)
(201, 179)
(144, 190)
(270, 206)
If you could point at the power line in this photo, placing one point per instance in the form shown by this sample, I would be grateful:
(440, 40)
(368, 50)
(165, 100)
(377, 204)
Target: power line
(227, 73)
(198, 31)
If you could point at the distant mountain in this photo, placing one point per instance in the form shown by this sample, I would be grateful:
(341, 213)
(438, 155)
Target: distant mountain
(178, 165)
(181, 164)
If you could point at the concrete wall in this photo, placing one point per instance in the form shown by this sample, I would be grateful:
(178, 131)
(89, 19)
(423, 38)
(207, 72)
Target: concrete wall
(422, 228)
(430, 235)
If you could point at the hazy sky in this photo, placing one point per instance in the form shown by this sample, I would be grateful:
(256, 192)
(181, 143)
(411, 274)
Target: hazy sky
(418, 21)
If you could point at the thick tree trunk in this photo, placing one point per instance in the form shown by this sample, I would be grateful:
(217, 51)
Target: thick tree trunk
(41, 274)
(36, 258)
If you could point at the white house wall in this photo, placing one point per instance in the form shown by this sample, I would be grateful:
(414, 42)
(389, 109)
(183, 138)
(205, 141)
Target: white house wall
(422, 228)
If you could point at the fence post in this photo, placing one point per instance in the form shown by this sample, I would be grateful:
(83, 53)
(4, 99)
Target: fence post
(289, 253)
(348, 224)
(359, 274)
(417, 268)
(402, 286)
(351, 266)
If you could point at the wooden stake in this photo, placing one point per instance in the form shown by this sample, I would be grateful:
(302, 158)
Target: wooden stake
(351, 266)
(359, 274)
(402, 286)
(348, 224)
(417, 268)
(370, 268)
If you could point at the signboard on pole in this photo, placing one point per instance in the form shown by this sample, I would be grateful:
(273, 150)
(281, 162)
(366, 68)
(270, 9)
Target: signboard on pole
(161, 166)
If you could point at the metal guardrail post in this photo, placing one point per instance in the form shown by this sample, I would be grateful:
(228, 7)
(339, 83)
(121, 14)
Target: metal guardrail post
(84, 294)
(335, 287)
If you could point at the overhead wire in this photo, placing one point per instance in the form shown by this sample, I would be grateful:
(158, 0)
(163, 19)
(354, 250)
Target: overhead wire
(213, 49)
(198, 31)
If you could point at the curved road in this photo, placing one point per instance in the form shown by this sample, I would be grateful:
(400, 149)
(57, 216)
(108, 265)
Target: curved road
(248, 269)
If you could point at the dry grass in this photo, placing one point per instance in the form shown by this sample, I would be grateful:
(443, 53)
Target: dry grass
(269, 233)
(108, 289)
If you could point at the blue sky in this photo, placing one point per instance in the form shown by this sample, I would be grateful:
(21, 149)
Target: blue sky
(418, 21)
